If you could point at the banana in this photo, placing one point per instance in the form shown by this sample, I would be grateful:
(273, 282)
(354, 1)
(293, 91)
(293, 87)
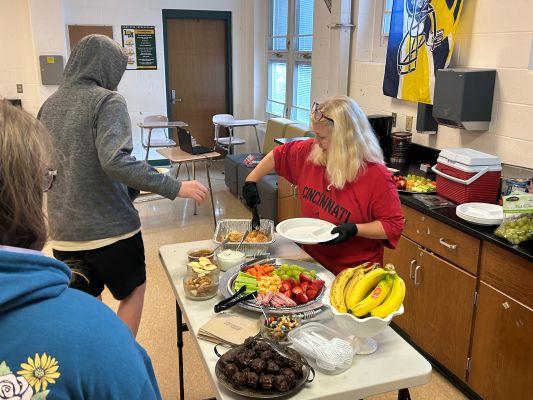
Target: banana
(352, 283)
(336, 295)
(393, 301)
(365, 285)
(375, 298)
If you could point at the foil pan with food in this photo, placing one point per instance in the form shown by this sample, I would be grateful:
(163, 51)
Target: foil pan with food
(255, 244)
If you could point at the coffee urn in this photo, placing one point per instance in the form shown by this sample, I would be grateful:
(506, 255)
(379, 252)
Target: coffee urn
(382, 126)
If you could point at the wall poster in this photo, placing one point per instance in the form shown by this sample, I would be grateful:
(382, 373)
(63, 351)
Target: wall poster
(139, 42)
(421, 38)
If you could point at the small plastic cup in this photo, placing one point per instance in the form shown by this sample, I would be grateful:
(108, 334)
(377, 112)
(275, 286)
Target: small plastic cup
(226, 259)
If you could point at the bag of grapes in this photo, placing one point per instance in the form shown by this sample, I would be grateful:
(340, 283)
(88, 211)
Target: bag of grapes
(517, 224)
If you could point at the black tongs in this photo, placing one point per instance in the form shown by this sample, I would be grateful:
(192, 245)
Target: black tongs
(235, 299)
(256, 221)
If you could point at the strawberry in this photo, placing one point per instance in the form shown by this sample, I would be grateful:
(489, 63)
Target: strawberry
(318, 284)
(304, 286)
(311, 293)
(305, 278)
(301, 298)
(297, 290)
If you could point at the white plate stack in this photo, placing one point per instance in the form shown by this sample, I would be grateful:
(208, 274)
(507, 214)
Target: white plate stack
(480, 213)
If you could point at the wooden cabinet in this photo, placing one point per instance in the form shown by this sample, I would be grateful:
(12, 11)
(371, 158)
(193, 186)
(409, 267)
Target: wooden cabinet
(501, 364)
(469, 304)
(449, 243)
(439, 304)
(288, 201)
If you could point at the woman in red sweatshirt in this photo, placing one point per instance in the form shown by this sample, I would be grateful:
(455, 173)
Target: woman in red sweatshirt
(341, 178)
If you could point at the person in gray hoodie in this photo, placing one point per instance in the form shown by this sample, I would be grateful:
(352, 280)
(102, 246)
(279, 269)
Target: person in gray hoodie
(94, 226)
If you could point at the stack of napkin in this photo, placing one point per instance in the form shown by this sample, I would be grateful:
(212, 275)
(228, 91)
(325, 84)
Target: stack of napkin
(229, 329)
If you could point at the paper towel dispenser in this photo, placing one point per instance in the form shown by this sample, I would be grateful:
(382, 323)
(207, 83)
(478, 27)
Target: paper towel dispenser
(463, 98)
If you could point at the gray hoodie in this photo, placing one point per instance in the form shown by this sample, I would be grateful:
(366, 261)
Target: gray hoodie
(91, 131)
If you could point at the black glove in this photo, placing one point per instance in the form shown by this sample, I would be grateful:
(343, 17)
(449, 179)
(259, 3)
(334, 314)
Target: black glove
(251, 194)
(345, 231)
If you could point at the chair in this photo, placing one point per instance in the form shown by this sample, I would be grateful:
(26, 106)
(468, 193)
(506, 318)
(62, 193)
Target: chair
(150, 142)
(226, 142)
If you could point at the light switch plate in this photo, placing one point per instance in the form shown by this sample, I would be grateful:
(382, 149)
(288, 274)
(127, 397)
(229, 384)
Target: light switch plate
(20, 88)
(409, 123)
(394, 115)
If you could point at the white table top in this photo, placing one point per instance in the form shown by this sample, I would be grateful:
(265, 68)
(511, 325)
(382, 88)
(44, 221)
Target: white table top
(240, 122)
(395, 365)
(168, 124)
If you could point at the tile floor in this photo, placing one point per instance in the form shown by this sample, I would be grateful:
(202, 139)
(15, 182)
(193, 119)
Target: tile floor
(165, 222)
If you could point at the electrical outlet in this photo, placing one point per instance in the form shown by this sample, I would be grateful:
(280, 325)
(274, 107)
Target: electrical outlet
(394, 115)
(409, 123)
(19, 88)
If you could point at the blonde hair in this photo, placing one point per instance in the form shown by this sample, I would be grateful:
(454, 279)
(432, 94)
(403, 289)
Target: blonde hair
(353, 143)
(25, 153)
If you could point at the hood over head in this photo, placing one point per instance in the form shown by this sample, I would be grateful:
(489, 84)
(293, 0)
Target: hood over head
(96, 58)
(28, 278)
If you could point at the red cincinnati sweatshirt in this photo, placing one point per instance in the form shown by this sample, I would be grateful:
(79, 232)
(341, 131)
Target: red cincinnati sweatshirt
(372, 196)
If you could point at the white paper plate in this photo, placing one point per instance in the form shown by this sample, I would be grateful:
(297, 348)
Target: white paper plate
(306, 230)
(480, 213)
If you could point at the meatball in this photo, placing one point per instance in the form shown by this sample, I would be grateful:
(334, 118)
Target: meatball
(281, 383)
(261, 346)
(266, 381)
(249, 341)
(258, 365)
(252, 379)
(272, 367)
(238, 379)
(288, 372)
(243, 359)
(266, 355)
(228, 357)
(230, 369)
(296, 366)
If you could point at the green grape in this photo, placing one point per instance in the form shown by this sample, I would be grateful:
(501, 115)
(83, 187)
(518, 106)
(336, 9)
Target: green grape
(285, 277)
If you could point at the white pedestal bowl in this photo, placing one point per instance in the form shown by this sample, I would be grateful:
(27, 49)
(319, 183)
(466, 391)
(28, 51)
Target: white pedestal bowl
(363, 329)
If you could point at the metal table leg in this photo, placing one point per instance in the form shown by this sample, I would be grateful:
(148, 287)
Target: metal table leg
(180, 328)
(257, 138)
(194, 178)
(403, 394)
(210, 190)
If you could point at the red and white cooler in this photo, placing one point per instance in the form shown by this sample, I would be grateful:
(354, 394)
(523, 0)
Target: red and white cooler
(467, 175)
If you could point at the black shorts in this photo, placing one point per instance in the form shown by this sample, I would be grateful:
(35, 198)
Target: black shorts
(119, 266)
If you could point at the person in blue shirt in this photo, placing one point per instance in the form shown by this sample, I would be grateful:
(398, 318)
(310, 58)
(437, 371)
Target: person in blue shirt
(55, 342)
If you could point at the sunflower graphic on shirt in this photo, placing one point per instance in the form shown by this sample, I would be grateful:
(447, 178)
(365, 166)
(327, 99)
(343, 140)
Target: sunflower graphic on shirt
(31, 382)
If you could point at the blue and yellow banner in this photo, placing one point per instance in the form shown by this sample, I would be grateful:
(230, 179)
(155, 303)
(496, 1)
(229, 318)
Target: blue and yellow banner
(421, 38)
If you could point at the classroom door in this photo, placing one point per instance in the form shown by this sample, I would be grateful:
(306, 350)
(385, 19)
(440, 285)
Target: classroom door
(198, 70)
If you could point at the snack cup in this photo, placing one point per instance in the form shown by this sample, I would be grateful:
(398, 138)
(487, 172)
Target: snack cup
(195, 254)
(279, 332)
(226, 259)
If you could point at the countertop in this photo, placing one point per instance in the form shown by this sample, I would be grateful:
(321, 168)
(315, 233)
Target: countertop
(447, 214)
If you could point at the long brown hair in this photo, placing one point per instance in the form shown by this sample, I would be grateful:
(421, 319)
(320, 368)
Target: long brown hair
(25, 153)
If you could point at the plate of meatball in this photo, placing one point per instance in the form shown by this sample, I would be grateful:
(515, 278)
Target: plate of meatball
(261, 368)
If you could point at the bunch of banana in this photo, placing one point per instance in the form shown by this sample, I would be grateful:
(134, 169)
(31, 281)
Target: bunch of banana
(339, 286)
(368, 289)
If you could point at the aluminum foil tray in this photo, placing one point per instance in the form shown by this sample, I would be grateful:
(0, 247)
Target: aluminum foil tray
(225, 226)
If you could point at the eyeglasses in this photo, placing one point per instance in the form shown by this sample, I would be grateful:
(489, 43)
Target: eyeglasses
(49, 178)
(317, 113)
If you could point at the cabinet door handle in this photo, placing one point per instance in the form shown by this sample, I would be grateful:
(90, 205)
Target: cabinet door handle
(417, 282)
(411, 271)
(449, 246)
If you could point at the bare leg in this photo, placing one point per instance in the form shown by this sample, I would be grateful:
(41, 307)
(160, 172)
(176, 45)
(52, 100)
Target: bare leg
(130, 308)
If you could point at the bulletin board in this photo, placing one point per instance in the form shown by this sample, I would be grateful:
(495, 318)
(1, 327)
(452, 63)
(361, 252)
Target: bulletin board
(77, 32)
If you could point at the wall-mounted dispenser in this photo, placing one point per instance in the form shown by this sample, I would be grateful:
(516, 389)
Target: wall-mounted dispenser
(463, 98)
